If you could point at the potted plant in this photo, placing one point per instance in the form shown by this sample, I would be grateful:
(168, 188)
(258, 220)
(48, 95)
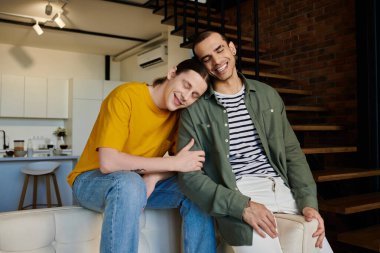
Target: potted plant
(60, 132)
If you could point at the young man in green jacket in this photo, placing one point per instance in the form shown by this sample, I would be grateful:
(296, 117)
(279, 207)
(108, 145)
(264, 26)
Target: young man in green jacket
(254, 165)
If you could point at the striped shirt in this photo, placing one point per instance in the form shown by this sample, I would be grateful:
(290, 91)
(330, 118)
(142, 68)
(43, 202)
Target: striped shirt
(247, 156)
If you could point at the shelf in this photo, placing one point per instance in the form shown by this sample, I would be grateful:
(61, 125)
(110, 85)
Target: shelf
(316, 128)
(328, 150)
(368, 238)
(343, 174)
(351, 204)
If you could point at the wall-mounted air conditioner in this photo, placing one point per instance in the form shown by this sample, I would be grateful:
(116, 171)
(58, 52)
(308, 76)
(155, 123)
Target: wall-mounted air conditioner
(153, 56)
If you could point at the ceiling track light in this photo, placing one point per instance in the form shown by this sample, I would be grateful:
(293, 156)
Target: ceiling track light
(38, 28)
(48, 11)
(58, 20)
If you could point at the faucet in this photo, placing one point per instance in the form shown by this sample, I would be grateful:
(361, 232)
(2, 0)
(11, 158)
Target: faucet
(5, 146)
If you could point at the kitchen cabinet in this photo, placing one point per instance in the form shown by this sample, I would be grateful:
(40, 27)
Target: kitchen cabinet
(86, 97)
(57, 98)
(84, 114)
(34, 97)
(87, 89)
(12, 95)
(85, 101)
(108, 86)
(35, 104)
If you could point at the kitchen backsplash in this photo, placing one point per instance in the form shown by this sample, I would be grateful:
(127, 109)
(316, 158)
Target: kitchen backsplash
(39, 130)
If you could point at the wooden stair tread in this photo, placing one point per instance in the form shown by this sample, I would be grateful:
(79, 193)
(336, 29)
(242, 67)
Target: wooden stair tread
(368, 238)
(268, 75)
(249, 49)
(201, 20)
(305, 108)
(343, 174)
(293, 91)
(316, 128)
(328, 150)
(263, 62)
(160, 10)
(352, 204)
(191, 31)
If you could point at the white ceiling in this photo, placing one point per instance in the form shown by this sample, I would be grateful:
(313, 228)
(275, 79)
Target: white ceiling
(87, 15)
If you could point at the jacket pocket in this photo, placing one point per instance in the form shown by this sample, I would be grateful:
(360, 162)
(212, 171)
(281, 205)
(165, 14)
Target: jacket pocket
(209, 135)
(273, 123)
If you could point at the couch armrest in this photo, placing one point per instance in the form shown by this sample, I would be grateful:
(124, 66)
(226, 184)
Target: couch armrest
(295, 233)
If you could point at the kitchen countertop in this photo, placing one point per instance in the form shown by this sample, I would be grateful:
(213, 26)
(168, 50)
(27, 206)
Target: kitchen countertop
(38, 158)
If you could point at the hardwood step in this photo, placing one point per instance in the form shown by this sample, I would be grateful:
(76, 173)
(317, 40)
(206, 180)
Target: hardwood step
(190, 32)
(245, 48)
(328, 150)
(189, 5)
(262, 62)
(202, 22)
(293, 91)
(368, 238)
(328, 175)
(305, 108)
(316, 128)
(267, 75)
(352, 204)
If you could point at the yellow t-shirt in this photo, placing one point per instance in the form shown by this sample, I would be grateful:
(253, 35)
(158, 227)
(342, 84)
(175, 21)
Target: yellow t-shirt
(129, 122)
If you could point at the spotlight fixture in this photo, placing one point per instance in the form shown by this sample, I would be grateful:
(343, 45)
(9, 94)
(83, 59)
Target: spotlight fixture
(59, 21)
(48, 9)
(38, 29)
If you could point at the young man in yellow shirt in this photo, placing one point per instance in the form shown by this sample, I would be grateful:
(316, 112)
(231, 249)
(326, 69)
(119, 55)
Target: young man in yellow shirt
(124, 159)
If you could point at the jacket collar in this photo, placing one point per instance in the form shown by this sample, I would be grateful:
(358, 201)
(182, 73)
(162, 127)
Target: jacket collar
(249, 86)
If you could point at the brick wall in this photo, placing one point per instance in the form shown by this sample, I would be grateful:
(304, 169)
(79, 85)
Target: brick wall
(314, 40)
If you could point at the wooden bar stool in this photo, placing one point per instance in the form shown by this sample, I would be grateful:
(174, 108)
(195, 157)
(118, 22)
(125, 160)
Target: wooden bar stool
(36, 170)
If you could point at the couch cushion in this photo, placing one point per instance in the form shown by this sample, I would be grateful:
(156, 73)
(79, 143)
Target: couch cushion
(71, 229)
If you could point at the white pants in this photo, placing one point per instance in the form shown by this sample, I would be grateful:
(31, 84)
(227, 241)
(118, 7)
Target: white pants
(277, 197)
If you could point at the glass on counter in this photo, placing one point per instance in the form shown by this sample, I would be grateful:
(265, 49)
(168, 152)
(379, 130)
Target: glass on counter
(18, 145)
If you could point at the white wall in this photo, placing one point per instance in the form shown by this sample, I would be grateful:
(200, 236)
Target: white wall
(50, 63)
(23, 129)
(130, 71)
(29, 61)
(175, 52)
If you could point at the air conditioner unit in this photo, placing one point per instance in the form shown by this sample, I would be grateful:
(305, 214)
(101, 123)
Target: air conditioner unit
(153, 56)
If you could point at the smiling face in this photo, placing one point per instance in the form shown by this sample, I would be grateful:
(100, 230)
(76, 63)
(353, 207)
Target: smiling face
(183, 89)
(217, 56)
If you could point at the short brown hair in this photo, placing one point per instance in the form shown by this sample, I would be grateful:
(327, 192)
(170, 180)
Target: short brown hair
(186, 65)
(204, 35)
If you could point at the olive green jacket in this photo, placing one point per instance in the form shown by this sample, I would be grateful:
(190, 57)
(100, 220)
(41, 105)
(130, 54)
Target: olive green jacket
(214, 188)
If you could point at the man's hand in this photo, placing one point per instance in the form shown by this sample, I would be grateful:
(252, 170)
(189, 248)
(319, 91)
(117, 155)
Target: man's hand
(311, 213)
(260, 219)
(153, 178)
(187, 160)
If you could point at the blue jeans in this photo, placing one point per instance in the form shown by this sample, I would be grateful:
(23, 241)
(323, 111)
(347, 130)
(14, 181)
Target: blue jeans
(121, 196)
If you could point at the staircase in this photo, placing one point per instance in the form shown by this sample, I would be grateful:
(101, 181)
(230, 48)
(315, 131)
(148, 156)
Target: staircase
(343, 209)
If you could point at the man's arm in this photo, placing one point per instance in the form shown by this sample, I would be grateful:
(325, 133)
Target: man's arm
(301, 180)
(112, 160)
(214, 198)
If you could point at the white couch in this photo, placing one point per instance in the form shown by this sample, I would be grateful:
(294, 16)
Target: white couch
(77, 230)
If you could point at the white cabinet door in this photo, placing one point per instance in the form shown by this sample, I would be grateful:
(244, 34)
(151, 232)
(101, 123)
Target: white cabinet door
(84, 114)
(35, 97)
(57, 98)
(87, 89)
(108, 86)
(12, 96)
